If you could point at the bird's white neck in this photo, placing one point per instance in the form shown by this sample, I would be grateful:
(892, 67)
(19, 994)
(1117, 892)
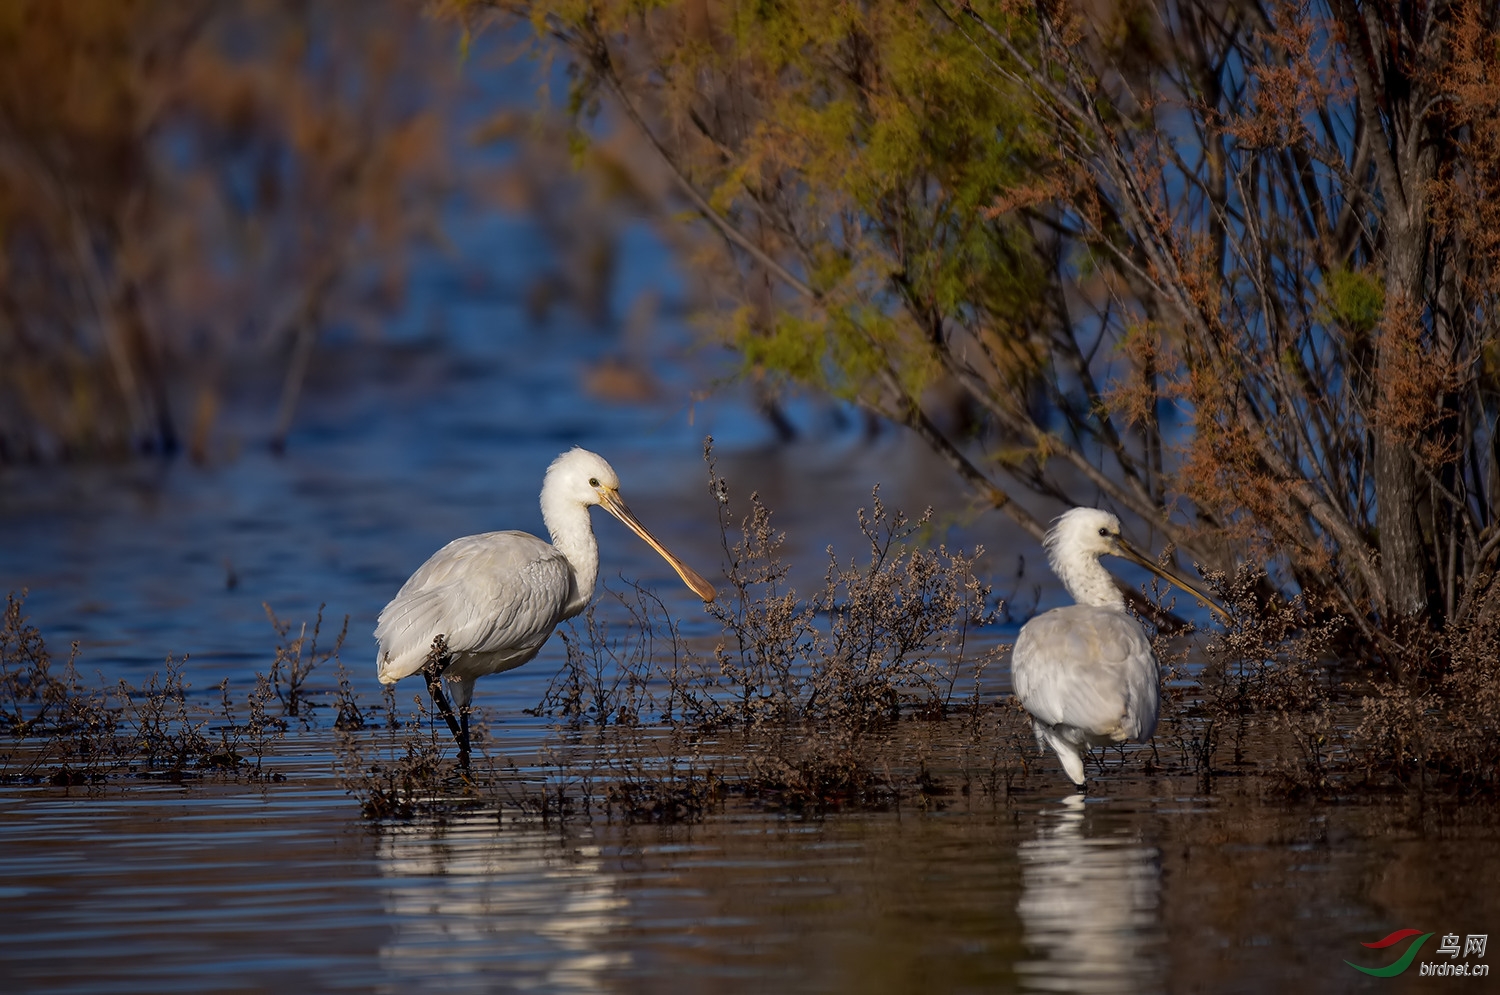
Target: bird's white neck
(573, 534)
(1086, 579)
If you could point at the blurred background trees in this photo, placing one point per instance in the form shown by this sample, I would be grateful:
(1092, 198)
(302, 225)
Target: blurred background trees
(1229, 267)
(189, 187)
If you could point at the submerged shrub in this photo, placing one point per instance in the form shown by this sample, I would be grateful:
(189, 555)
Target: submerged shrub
(394, 770)
(296, 658)
(71, 731)
(869, 691)
(879, 636)
(802, 698)
(1275, 696)
(66, 734)
(1438, 727)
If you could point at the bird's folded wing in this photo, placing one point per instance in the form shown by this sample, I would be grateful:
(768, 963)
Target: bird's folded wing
(486, 594)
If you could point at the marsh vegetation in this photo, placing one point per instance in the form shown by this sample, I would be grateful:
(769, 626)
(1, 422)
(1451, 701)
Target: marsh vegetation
(875, 690)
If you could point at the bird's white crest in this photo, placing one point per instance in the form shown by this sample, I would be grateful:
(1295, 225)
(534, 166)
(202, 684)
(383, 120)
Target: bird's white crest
(1076, 541)
(576, 476)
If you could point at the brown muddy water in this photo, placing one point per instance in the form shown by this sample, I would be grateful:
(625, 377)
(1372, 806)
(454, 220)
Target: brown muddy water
(443, 430)
(1143, 886)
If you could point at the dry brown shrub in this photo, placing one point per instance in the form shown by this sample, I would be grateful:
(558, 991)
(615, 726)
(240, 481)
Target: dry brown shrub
(842, 699)
(1437, 730)
(297, 657)
(1414, 378)
(59, 731)
(822, 689)
(1262, 701)
(395, 770)
(64, 733)
(1274, 698)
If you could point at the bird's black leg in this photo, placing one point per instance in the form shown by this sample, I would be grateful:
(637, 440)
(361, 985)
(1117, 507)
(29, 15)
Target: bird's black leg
(434, 677)
(463, 738)
(438, 659)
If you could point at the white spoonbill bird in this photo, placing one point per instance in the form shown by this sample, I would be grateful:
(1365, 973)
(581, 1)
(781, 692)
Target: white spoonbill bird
(1086, 672)
(496, 597)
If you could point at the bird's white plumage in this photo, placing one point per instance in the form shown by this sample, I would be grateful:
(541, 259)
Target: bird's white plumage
(496, 597)
(1086, 672)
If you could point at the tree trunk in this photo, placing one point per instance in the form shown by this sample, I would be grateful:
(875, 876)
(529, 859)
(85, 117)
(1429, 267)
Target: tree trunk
(1397, 487)
(1384, 71)
(1401, 554)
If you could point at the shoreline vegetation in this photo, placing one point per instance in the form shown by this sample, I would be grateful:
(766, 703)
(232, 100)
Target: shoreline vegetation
(865, 693)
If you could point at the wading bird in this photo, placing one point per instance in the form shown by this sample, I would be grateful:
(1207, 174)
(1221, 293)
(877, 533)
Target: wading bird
(495, 598)
(1086, 672)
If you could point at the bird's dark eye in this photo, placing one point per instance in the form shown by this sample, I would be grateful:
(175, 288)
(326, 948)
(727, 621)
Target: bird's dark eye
(1104, 532)
(593, 481)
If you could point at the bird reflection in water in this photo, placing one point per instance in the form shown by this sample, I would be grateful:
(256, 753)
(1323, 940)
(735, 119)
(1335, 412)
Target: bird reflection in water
(475, 907)
(1089, 907)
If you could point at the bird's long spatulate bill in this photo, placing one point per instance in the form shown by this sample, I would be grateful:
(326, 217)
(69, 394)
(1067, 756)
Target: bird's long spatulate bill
(690, 577)
(1131, 553)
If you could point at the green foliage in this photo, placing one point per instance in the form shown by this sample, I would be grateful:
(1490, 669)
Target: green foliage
(873, 139)
(1354, 298)
(793, 347)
